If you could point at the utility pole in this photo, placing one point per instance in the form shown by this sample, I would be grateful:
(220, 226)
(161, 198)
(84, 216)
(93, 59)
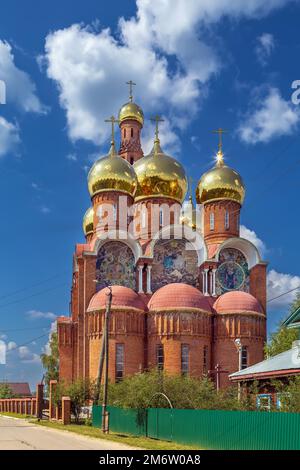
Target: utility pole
(239, 348)
(217, 372)
(105, 427)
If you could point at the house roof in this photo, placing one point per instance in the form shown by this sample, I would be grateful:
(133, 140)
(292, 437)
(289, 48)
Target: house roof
(285, 363)
(18, 388)
(293, 320)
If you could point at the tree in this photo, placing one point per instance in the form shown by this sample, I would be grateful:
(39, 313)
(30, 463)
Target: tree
(280, 341)
(80, 392)
(5, 391)
(51, 361)
(296, 303)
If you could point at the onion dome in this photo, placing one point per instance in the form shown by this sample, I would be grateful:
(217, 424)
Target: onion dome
(131, 110)
(112, 173)
(237, 302)
(221, 182)
(178, 296)
(160, 175)
(88, 221)
(123, 298)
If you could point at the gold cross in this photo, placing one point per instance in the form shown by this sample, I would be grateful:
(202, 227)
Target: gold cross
(131, 84)
(156, 119)
(220, 131)
(113, 121)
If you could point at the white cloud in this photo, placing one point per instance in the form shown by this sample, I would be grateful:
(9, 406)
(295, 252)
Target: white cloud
(271, 117)
(253, 238)
(27, 356)
(37, 314)
(72, 157)
(170, 142)
(164, 48)
(9, 136)
(20, 89)
(279, 283)
(11, 345)
(53, 329)
(45, 210)
(265, 47)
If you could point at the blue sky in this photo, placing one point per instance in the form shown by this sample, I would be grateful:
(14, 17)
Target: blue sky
(201, 64)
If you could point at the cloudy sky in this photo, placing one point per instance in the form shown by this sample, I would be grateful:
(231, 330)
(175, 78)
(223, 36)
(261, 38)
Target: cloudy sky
(201, 64)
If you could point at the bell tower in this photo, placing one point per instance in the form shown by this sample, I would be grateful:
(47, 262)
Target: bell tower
(131, 121)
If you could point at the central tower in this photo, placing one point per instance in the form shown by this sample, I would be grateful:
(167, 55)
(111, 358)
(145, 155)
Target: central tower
(131, 121)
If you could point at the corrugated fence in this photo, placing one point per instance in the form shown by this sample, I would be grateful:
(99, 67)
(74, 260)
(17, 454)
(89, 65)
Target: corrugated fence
(209, 429)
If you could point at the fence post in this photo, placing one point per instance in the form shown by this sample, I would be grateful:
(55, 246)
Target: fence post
(39, 400)
(66, 410)
(52, 390)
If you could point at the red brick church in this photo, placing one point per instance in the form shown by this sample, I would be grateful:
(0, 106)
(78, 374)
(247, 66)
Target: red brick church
(185, 285)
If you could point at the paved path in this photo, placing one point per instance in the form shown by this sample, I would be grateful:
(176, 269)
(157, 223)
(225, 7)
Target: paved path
(19, 434)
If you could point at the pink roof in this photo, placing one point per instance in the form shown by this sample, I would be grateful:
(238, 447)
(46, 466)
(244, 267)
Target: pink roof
(178, 296)
(18, 388)
(122, 297)
(237, 301)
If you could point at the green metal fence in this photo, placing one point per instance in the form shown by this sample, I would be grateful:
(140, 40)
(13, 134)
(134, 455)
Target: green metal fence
(209, 429)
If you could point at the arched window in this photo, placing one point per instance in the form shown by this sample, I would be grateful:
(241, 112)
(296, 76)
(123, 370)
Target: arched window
(244, 358)
(211, 221)
(119, 361)
(124, 133)
(185, 352)
(226, 220)
(131, 160)
(131, 132)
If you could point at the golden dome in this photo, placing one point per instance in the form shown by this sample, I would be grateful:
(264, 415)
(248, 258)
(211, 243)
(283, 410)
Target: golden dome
(131, 110)
(160, 175)
(88, 221)
(112, 173)
(221, 182)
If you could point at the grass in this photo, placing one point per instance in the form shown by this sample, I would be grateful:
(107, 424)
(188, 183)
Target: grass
(142, 442)
(15, 415)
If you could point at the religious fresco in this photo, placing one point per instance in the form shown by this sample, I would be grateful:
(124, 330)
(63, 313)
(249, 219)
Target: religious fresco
(115, 266)
(233, 272)
(173, 262)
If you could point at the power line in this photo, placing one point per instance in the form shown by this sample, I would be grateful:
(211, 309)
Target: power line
(284, 293)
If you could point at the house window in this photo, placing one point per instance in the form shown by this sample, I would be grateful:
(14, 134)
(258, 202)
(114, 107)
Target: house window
(244, 362)
(160, 356)
(205, 359)
(119, 362)
(226, 220)
(185, 359)
(212, 221)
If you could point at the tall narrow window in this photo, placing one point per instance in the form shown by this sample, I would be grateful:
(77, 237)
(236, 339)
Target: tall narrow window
(144, 215)
(212, 221)
(238, 222)
(205, 359)
(160, 356)
(131, 132)
(161, 217)
(131, 160)
(244, 363)
(184, 359)
(226, 220)
(124, 133)
(114, 212)
(119, 362)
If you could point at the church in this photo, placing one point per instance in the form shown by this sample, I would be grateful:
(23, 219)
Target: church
(186, 288)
